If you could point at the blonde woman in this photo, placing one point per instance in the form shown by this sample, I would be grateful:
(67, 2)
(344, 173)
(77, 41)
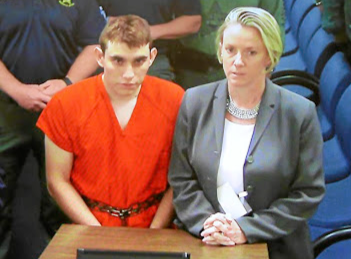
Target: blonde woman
(247, 133)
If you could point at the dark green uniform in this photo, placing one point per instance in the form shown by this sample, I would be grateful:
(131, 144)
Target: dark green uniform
(336, 19)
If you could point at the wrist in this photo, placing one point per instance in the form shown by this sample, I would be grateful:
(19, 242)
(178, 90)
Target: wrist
(67, 81)
(13, 90)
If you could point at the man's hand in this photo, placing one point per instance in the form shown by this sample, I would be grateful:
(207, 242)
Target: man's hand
(30, 97)
(52, 86)
(221, 229)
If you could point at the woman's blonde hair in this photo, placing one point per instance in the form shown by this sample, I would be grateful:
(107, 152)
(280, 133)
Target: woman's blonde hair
(264, 22)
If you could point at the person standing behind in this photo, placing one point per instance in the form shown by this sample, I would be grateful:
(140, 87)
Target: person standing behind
(108, 138)
(248, 138)
(196, 62)
(168, 19)
(45, 45)
(336, 19)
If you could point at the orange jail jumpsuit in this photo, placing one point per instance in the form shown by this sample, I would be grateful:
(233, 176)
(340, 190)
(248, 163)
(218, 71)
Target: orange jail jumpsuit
(114, 166)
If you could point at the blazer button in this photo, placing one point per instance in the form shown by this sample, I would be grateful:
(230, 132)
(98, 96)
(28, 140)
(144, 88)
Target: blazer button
(250, 159)
(249, 188)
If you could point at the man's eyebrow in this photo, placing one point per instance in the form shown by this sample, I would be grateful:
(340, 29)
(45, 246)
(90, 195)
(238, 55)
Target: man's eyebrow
(140, 57)
(117, 57)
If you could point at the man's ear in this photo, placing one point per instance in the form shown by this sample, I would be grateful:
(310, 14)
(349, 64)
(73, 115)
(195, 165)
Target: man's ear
(99, 55)
(153, 54)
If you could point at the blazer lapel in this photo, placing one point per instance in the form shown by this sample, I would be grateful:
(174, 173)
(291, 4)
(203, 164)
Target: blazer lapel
(219, 110)
(268, 106)
(218, 118)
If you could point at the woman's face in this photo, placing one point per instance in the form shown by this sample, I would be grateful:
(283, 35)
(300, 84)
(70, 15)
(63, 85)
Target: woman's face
(244, 55)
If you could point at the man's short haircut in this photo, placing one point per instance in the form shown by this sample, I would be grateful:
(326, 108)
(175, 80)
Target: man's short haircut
(264, 22)
(129, 29)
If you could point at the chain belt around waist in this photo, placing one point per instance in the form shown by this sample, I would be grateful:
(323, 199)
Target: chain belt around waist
(123, 213)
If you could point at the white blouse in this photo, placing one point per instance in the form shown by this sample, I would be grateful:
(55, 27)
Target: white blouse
(236, 142)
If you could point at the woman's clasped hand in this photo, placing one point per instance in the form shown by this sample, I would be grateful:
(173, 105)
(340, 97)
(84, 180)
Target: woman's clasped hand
(221, 229)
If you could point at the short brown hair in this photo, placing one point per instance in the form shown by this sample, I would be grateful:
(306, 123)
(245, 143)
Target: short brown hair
(130, 29)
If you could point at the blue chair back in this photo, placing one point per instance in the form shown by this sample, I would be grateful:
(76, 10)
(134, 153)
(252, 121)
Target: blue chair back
(319, 50)
(298, 12)
(335, 78)
(343, 123)
(309, 25)
(288, 4)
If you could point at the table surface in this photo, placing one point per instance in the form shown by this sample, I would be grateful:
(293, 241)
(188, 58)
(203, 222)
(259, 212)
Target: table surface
(70, 237)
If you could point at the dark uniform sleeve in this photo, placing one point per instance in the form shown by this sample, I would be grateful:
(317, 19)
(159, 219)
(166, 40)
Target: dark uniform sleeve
(90, 22)
(186, 7)
(333, 15)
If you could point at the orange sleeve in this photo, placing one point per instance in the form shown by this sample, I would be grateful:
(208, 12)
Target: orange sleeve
(53, 122)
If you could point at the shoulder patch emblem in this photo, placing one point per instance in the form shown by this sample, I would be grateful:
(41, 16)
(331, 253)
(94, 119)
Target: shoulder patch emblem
(67, 3)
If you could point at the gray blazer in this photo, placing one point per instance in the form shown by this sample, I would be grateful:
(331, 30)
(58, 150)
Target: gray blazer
(282, 173)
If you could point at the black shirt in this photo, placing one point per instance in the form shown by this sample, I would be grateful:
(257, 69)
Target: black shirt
(154, 11)
(40, 39)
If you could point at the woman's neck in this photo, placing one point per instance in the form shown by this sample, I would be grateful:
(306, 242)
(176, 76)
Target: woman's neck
(247, 97)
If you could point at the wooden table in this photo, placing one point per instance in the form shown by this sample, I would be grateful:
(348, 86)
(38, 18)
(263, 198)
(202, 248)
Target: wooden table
(70, 237)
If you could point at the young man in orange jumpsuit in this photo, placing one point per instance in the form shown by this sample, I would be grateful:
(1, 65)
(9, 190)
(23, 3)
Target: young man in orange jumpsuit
(108, 138)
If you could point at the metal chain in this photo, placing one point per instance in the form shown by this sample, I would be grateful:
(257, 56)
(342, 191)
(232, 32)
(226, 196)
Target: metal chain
(124, 213)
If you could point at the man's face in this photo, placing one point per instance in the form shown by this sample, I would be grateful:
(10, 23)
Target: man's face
(124, 67)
